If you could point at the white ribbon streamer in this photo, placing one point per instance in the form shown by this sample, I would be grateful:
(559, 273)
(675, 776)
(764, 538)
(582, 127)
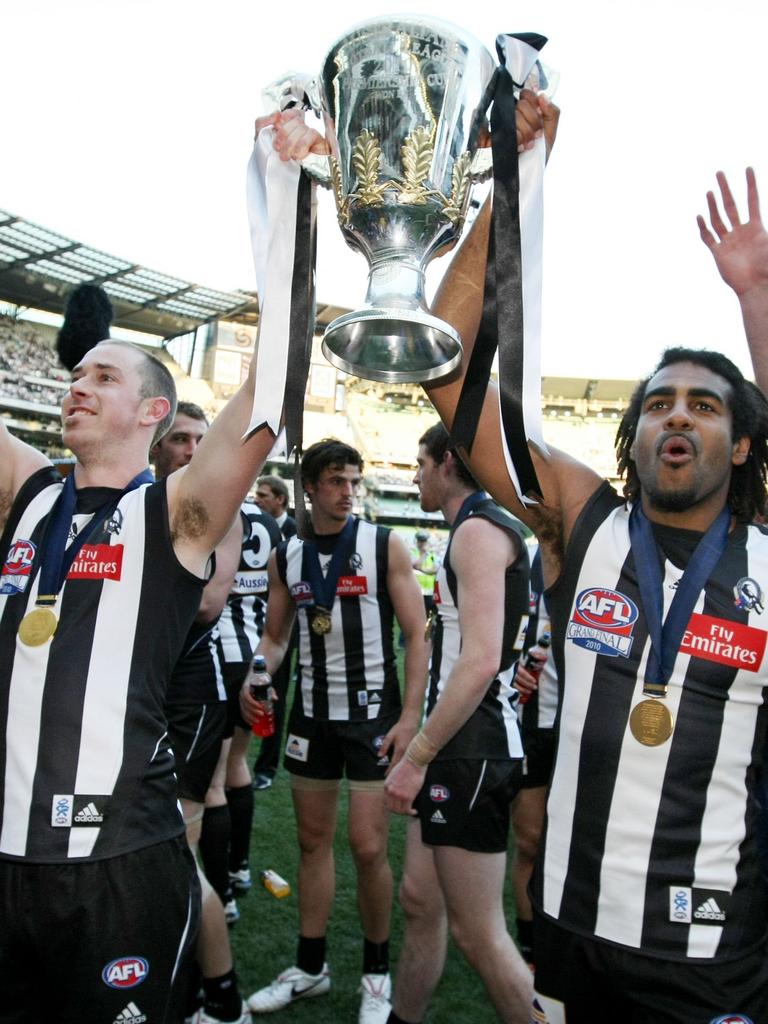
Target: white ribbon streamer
(272, 188)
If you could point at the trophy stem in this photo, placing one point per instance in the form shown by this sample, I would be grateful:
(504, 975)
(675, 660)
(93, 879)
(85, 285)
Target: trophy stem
(393, 339)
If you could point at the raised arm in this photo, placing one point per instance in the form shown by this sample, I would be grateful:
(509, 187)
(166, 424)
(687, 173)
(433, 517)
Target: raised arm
(566, 483)
(204, 496)
(18, 461)
(740, 252)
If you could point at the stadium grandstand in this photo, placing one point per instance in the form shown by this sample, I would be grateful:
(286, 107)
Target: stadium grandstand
(206, 337)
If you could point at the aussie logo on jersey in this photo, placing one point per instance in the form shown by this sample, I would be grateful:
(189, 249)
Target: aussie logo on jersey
(18, 567)
(125, 972)
(603, 621)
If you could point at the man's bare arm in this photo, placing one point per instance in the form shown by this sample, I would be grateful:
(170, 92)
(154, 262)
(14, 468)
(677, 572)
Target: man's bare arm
(204, 496)
(274, 642)
(405, 594)
(18, 461)
(480, 554)
(216, 590)
(741, 255)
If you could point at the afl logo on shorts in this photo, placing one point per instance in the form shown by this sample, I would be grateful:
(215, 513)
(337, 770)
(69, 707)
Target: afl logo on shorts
(438, 793)
(127, 972)
(732, 1018)
(18, 567)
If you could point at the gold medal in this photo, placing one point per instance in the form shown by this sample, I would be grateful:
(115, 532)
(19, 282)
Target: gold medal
(321, 621)
(651, 722)
(38, 626)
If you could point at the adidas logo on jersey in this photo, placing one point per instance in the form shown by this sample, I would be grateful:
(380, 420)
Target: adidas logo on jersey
(89, 815)
(130, 1015)
(437, 818)
(709, 911)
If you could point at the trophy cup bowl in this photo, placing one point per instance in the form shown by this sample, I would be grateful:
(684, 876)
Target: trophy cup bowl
(399, 98)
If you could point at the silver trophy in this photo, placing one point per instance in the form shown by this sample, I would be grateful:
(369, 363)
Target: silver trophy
(399, 99)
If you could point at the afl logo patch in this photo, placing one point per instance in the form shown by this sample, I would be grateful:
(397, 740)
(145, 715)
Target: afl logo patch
(18, 567)
(301, 593)
(125, 972)
(731, 1018)
(438, 793)
(603, 621)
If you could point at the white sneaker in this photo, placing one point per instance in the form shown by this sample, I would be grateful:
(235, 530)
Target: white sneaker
(240, 881)
(375, 1006)
(201, 1017)
(231, 912)
(291, 985)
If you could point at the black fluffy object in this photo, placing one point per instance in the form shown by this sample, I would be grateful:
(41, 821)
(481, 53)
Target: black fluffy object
(87, 319)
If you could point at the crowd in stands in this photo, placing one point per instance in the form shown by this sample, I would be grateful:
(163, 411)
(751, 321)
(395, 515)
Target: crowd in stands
(27, 365)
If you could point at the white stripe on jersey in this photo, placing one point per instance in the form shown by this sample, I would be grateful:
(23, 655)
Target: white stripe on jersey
(25, 700)
(106, 693)
(610, 536)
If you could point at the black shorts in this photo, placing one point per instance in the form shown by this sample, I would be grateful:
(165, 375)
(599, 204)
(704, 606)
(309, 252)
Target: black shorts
(580, 980)
(234, 673)
(465, 803)
(196, 732)
(539, 758)
(98, 941)
(330, 750)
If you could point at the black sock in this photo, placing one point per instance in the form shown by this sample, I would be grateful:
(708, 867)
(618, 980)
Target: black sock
(214, 848)
(311, 955)
(222, 997)
(394, 1019)
(240, 802)
(375, 957)
(525, 939)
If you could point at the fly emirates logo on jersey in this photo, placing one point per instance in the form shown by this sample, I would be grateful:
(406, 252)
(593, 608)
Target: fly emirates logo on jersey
(97, 562)
(728, 643)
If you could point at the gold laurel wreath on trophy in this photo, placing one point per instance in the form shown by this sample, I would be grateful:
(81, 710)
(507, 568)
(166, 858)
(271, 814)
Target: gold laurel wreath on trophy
(417, 153)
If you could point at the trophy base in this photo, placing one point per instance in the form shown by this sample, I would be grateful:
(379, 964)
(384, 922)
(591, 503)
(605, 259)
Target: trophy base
(392, 346)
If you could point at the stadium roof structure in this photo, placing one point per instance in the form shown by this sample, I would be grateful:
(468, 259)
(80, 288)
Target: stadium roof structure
(39, 268)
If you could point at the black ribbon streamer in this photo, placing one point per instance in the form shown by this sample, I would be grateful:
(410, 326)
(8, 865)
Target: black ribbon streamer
(501, 325)
(302, 317)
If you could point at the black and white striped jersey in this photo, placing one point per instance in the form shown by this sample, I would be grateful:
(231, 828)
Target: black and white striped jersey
(492, 731)
(242, 621)
(540, 710)
(87, 772)
(348, 674)
(653, 847)
(197, 676)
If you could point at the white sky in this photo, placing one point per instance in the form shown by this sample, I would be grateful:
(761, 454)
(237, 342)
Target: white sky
(127, 124)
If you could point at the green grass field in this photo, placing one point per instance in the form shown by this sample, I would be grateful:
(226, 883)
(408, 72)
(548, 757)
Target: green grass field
(264, 939)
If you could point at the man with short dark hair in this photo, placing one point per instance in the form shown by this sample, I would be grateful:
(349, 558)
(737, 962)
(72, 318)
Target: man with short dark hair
(463, 769)
(101, 578)
(272, 497)
(345, 586)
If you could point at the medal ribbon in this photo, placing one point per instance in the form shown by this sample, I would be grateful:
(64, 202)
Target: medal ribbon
(57, 557)
(324, 587)
(666, 636)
